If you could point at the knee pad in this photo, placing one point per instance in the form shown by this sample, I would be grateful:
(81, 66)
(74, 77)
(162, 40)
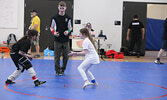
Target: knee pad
(15, 75)
(31, 72)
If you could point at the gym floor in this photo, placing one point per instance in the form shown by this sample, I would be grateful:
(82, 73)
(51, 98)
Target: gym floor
(128, 79)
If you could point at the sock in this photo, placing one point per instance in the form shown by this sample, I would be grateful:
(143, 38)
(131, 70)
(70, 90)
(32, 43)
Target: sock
(158, 59)
(34, 78)
(93, 81)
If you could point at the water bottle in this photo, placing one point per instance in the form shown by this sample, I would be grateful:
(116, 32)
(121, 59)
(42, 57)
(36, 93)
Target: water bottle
(2, 54)
(49, 54)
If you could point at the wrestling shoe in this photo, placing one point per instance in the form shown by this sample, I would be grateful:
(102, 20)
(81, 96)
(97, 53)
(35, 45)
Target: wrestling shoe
(9, 82)
(87, 84)
(37, 82)
(96, 84)
(158, 62)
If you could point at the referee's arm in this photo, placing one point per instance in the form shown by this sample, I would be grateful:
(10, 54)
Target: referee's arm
(128, 32)
(67, 32)
(53, 25)
(143, 33)
(70, 25)
(53, 28)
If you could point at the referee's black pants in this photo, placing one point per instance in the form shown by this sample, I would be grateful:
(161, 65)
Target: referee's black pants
(137, 41)
(61, 49)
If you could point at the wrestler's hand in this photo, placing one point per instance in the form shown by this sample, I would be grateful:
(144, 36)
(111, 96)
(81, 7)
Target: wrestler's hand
(30, 57)
(72, 53)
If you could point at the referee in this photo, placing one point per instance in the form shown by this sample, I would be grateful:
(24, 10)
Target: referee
(136, 29)
(61, 29)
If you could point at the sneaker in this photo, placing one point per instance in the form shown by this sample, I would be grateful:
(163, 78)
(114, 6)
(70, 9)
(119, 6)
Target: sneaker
(130, 53)
(87, 84)
(158, 62)
(61, 73)
(138, 55)
(37, 56)
(37, 82)
(57, 73)
(9, 82)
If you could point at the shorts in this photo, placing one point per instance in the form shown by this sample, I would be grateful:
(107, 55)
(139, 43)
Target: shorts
(164, 45)
(37, 41)
(20, 60)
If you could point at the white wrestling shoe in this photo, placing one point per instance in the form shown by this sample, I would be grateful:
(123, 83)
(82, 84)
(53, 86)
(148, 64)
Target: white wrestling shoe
(96, 84)
(158, 62)
(87, 84)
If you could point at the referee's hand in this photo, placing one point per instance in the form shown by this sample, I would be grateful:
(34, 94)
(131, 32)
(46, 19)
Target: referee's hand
(127, 38)
(142, 37)
(65, 33)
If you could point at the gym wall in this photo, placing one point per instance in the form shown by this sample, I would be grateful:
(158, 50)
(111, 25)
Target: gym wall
(101, 13)
(156, 15)
(4, 32)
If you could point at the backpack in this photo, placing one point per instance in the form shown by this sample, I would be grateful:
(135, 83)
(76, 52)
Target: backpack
(11, 39)
(119, 55)
(124, 50)
(102, 52)
(114, 54)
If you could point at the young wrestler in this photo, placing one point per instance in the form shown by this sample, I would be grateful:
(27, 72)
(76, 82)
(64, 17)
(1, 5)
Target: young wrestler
(20, 58)
(91, 57)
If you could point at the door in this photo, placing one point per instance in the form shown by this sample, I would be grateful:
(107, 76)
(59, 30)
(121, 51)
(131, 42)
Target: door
(46, 10)
(130, 9)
